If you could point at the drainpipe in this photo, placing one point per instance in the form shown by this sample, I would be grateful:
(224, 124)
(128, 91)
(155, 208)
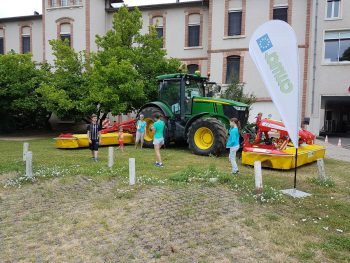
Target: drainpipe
(314, 60)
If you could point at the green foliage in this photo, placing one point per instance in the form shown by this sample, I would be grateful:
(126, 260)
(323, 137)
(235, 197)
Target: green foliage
(346, 55)
(65, 91)
(325, 183)
(128, 62)
(20, 104)
(235, 91)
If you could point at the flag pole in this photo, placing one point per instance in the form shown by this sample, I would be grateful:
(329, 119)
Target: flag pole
(295, 168)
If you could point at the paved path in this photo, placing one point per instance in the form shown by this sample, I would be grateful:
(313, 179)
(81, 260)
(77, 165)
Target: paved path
(335, 152)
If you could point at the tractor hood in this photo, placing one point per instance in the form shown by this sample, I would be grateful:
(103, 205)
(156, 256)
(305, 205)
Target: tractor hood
(238, 105)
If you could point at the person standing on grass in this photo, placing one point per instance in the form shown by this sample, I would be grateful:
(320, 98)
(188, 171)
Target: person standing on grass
(233, 143)
(121, 138)
(140, 131)
(158, 140)
(94, 136)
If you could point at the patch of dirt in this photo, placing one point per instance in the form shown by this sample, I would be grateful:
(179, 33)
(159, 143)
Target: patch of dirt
(87, 221)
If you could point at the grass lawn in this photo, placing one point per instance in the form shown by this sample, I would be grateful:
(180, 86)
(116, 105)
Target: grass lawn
(77, 210)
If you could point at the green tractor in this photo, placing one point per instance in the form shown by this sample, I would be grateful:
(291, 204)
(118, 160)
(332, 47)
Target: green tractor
(191, 114)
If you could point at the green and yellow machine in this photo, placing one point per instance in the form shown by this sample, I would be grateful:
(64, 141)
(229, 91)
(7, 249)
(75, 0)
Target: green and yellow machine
(191, 113)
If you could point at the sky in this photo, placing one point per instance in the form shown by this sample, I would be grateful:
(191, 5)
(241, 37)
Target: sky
(9, 8)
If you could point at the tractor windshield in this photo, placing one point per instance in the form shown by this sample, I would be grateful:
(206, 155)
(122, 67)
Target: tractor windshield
(193, 89)
(170, 94)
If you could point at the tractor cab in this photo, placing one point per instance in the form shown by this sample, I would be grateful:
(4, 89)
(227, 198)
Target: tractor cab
(178, 91)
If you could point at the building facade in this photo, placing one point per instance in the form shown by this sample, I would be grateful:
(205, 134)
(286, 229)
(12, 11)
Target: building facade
(213, 36)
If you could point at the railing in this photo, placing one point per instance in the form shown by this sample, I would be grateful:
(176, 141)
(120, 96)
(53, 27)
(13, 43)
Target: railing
(64, 3)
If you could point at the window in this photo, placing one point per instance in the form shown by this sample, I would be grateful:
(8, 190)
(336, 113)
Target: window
(25, 44)
(64, 2)
(280, 13)
(232, 70)
(333, 9)
(194, 27)
(65, 33)
(158, 22)
(193, 35)
(192, 68)
(234, 23)
(159, 30)
(2, 48)
(53, 3)
(170, 94)
(337, 46)
(25, 39)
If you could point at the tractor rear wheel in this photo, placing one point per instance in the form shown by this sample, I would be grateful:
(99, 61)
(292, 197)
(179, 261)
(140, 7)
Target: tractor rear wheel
(207, 136)
(149, 113)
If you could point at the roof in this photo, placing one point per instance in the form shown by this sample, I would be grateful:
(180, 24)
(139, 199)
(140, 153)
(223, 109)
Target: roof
(178, 75)
(20, 18)
(165, 5)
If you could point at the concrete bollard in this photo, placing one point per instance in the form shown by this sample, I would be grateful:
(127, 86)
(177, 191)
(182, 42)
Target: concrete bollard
(25, 150)
(110, 156)
(321, 171)
(339, 143)
(258, 177)
(29, 167)
(131, 171)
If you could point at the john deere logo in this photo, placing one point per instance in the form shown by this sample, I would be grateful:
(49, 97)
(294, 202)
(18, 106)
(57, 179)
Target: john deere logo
(275, 65)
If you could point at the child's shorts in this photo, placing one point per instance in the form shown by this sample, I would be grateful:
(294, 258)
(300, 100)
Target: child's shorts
(159, 141)
(139, 136)
(94, 145)
(121, 143)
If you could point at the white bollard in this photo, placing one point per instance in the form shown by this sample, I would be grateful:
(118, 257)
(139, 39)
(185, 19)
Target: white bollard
(321, 171)
(339, 143)
(25, 150)
(258, 177)
(131, 171)
(29, 167)
(110, 156)
(326, 139)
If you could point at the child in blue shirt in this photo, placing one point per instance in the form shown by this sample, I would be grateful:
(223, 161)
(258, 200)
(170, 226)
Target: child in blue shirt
(233, 143)
(140, 131)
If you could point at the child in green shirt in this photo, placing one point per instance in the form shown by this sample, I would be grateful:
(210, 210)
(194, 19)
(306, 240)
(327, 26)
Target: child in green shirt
(158, 140)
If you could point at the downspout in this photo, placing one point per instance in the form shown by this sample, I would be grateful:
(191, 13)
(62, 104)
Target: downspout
(314, 60)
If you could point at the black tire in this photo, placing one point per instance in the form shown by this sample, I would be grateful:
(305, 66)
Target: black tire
(149, 113)
(215, 129)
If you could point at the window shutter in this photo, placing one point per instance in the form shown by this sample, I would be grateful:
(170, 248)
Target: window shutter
(65, 29)
(157, 21)
(194, 19)
(235, 4)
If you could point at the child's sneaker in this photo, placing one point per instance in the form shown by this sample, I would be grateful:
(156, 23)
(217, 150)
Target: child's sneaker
(156, 164)
(160, 165)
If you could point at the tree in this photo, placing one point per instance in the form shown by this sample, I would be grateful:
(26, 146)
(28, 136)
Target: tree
(20, 105)
(66, 90)
(235, 91)
(128, 63)
(346, 55)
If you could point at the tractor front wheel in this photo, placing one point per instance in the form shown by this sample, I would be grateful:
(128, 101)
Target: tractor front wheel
(207, 137)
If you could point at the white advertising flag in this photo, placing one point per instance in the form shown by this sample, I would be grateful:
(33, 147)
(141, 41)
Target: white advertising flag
(274, 50)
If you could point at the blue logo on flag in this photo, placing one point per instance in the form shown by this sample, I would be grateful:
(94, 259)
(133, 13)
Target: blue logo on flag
(264, 43)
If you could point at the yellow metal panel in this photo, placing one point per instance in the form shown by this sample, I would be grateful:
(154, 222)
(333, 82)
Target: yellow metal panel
(306, 154)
